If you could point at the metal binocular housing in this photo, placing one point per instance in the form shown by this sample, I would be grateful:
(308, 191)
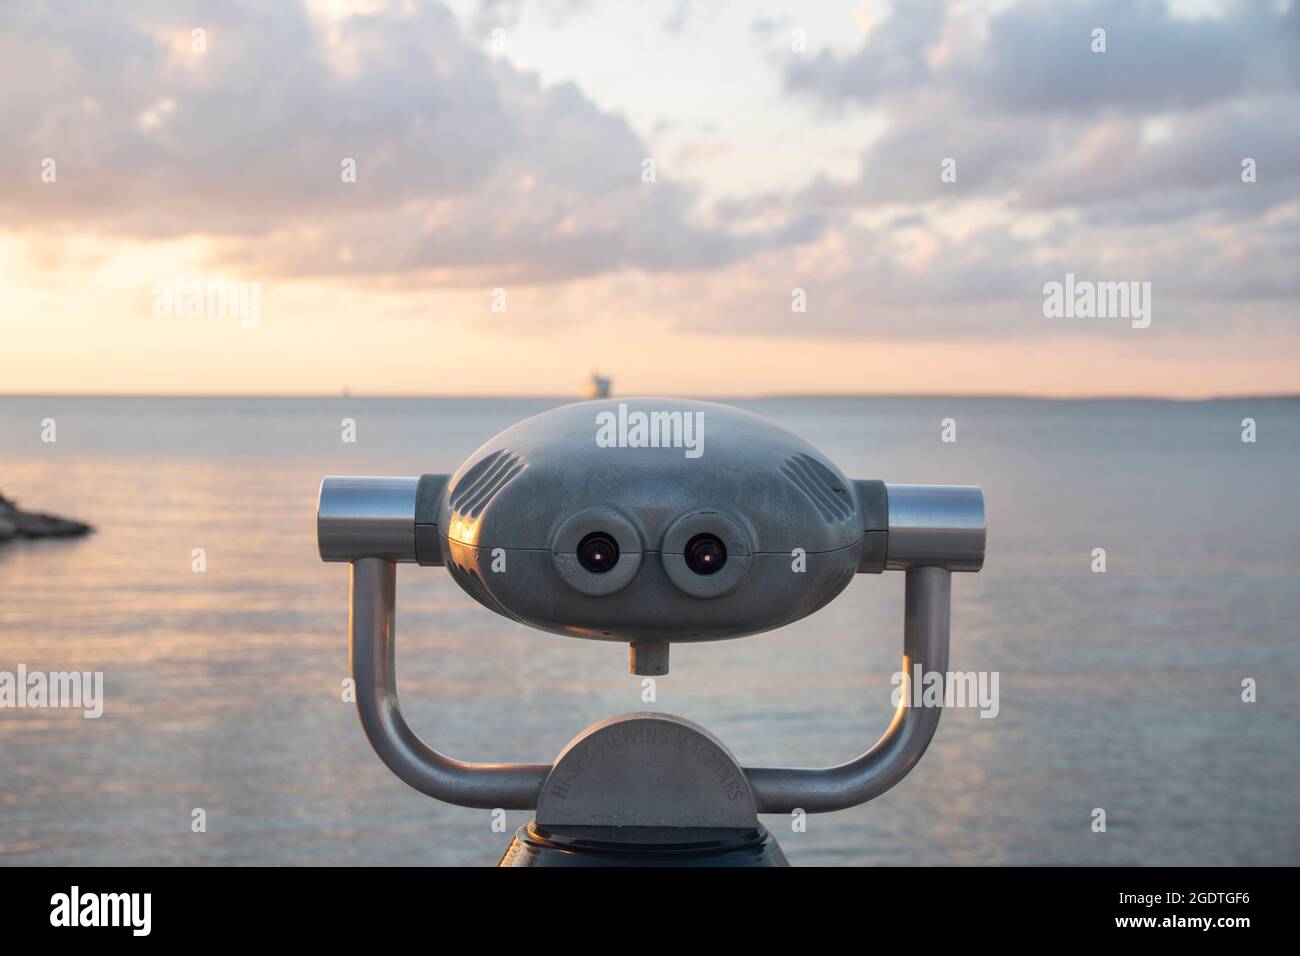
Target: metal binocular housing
(649, 522)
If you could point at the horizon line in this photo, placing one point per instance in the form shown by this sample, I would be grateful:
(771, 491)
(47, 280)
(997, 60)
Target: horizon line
(497, 396)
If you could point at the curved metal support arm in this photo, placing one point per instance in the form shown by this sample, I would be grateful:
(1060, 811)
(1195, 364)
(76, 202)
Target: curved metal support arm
(373, 641)
(925, 645)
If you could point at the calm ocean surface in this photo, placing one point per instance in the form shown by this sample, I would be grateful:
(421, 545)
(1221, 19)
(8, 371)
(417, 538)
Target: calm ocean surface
(1118, 690)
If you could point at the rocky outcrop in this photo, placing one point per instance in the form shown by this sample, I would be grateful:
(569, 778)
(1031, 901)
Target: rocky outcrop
(15, 523)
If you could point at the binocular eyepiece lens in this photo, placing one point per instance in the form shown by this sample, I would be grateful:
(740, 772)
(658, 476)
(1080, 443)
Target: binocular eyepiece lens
(597, 552)
(705, 554)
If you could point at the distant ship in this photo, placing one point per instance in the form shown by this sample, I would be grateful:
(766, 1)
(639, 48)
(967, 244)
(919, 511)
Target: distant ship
(598, 387)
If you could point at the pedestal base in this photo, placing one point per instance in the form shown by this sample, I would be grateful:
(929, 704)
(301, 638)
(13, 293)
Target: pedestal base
(659, 846)
(645, 790)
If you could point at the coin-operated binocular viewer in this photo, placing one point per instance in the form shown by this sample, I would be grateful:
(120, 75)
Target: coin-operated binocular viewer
(650, 522)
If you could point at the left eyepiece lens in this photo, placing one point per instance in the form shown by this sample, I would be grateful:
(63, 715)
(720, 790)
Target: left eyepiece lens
(705, 554)
(598, 552)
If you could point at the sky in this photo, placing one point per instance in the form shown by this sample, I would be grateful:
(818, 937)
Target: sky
(700, 198)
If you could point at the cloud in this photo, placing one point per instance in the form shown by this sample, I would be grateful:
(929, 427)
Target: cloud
(892, 58)
(471, 173)
(1040, 56)
(465, 166)
(1037, 56)
(1127, 163)
(1026, 108)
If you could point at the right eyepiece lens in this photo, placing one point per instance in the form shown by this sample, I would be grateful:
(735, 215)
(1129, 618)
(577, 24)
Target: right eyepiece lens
(705, 554)
(598, 552)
